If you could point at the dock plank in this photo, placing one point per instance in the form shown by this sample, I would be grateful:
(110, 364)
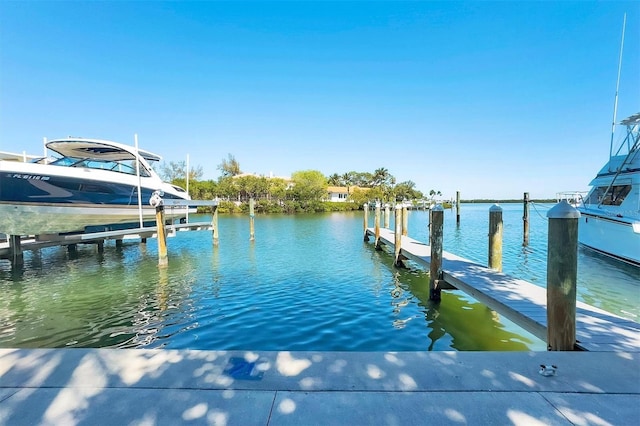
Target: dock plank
(520, 301)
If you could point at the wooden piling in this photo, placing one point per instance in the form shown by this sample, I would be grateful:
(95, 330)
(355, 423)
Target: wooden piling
(495, 237)
(162, 236)
(405, 220)
(429, 226)
(377, 226)
(366, 220)
(252, 231)
(525, 220)
(387, 215)
(457, 207)
(435, 267)
(15, 250)
(562, 271)
(214, 223)
(398, 235)
(100, 246)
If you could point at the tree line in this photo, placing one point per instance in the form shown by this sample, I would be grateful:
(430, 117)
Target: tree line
(305, 192)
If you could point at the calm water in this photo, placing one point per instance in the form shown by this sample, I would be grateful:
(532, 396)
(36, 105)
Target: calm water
(306, 283)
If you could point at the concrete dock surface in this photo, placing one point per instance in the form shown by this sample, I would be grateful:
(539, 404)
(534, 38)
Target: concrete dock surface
(169, 387)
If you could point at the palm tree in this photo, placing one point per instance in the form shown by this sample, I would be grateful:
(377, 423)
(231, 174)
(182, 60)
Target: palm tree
(334, 180)
(380, 176)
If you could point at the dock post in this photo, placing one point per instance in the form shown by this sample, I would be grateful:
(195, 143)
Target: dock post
(429, 226)
(100, 245)
(405, 220)
(495, 237)
(458, 208)
(15, 250)
(562, 271)
(525, 220)
(398, 235)
(252, 231)
(366, 220)
(156, 201)
(214, 222)
(435, 267)
(377, 225)
(387, 216)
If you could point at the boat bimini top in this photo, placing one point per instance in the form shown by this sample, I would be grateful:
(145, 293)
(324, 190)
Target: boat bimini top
(98, 149)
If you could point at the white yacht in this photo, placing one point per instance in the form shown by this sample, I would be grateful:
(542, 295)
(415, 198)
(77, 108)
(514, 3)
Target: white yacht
(91, 185)
(610, 212)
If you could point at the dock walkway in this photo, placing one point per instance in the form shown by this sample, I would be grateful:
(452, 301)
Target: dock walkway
(520, 301)
(171, 387)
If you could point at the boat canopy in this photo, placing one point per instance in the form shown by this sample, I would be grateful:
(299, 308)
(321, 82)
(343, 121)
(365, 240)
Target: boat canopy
(98, 149)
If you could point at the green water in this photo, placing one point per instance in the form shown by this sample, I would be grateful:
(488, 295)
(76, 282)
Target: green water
(308, 282)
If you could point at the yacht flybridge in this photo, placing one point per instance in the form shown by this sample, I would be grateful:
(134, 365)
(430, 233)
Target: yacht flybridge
(610, 212)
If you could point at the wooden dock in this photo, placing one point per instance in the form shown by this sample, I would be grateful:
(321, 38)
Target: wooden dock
(520, 301)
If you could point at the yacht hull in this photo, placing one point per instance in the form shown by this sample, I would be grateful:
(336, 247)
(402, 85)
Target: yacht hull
(610, 235)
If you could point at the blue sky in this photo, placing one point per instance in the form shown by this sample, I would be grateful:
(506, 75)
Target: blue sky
(489, 98)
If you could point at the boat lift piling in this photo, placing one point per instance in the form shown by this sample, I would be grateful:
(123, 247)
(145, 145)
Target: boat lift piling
(458, 208)
(387, 215)
(562, 273)
(252, 231)
(525, 220)
(435, 267)
(405, 220)
(365, 207)
(495, 237)
(157, 202)
(214, 223)
(15, 250)
(398, 236)
(377, 226)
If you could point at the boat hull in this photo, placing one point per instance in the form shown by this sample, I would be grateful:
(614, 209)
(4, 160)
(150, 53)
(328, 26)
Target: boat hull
(39, 219)
(610, 235)
(40, 199)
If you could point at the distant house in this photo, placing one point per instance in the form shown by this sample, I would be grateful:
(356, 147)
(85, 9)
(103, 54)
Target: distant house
(341, 193)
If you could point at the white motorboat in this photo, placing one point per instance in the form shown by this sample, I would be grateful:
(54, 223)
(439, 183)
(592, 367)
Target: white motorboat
(91, 185)
(610, 212)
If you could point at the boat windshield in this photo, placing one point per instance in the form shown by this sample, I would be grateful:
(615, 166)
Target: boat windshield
(123, 166)
(613, 197)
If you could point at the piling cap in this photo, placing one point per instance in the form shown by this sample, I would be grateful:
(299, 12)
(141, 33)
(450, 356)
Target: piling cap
(563, 210)
(438, 208)
(495, 208)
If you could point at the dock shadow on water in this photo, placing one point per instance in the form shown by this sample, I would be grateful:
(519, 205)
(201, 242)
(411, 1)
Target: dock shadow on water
(306, 283)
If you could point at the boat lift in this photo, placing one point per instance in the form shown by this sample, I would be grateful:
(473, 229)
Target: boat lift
(14, 246)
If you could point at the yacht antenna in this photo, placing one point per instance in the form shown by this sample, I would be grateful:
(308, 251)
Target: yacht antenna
(615, 102)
